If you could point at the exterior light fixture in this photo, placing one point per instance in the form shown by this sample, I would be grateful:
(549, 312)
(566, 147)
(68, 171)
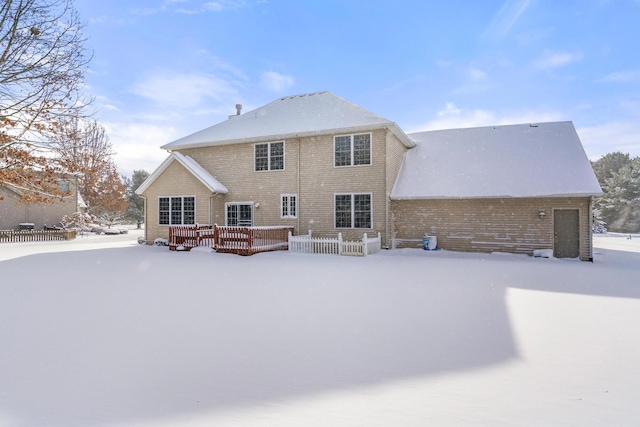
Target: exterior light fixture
(541, 214)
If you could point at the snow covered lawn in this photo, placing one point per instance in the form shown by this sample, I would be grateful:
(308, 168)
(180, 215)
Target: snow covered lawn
(102, 331)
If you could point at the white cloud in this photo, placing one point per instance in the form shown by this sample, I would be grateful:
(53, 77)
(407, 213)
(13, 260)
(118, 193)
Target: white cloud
(184, 90)
(506, 18)
(477, 74)
(443, 63)
(550, 60)
(276, 82)
(604, 138)
(450, 109)
(213, 6)
(452, 117)
(137, 145)
(598, 140)
(621, 77)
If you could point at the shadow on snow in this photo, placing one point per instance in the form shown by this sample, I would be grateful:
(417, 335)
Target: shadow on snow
(118, 335)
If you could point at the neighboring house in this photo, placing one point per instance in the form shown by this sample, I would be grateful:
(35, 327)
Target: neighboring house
(12, 213)
(318, 162)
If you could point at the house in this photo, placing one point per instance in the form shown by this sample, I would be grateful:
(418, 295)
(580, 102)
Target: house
(514, 188)
(318, 162)
(37, 215)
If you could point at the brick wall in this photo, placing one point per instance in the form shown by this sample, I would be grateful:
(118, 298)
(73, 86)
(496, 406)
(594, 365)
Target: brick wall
(488, 225)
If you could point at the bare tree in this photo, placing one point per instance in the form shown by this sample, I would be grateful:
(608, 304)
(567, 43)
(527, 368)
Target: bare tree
(42, 64)
(84, 148)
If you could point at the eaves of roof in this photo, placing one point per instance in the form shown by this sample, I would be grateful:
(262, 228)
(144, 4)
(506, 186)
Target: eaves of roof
(192, 166)
(392, 127)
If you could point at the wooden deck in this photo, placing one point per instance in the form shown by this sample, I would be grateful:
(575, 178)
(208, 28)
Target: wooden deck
(227, 239)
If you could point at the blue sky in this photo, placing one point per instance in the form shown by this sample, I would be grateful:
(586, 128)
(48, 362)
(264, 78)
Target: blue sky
(163, 69)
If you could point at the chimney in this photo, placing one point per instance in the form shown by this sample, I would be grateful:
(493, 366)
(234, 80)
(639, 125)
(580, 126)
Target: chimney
(238, 111)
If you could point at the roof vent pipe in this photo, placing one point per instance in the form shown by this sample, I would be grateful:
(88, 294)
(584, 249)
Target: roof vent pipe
(238, 109)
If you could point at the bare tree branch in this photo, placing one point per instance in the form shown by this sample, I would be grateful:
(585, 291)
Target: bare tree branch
(42, 66)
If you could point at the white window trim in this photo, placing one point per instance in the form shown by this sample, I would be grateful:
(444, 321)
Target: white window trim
(226, 211)
(353, 219)
(289, 196)
(268, 144)
(195, 209)
(351, 165)
(64, 183)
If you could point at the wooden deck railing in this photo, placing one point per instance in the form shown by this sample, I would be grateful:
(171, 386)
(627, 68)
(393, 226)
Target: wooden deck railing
(229, 239)
(12, 236)
(185, 237)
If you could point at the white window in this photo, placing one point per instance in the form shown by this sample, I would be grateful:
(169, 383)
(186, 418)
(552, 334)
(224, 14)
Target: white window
(179, 210)
(239, 214)
(352, 150)
(269, 156)
(63, 185)
(353, 210)
(288, 205)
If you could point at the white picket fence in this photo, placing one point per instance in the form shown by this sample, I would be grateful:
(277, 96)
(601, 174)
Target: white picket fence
(334, 246)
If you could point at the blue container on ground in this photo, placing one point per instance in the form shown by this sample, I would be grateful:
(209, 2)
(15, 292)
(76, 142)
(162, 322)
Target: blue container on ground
(425, 242)
(430, 243)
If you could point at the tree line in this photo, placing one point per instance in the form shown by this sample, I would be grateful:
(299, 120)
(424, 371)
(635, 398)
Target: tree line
(47, 129)
(618, 210)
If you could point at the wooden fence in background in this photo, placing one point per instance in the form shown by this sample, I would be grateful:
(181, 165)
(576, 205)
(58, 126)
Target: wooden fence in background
(12, 236)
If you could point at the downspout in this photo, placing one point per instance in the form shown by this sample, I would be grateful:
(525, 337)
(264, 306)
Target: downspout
(145, 217)
(386, 189)
(214, 194)
(76, 195)
(591, 229)
(298, 191)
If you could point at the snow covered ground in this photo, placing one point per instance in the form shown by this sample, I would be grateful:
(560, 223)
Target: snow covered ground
(102, 331)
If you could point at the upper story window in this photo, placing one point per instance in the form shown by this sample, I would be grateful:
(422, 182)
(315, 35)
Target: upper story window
(269, 156)
(352, 150)
(179, 210)
(63, 185)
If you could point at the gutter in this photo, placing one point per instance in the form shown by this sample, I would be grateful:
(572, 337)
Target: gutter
(261, 138)
(146, 217)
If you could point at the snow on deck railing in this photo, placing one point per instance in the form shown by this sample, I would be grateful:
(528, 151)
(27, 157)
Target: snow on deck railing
(230, 239)
(336, 246)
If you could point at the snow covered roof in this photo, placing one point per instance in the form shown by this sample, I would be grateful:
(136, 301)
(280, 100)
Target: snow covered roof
(528, 160)
(81, 203)
(291, 116)
(192, 166)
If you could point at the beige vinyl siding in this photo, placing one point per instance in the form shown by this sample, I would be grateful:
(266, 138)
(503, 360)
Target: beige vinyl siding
(309, 173)
(395, 151)
(175, 181)
(320, 181)
(12, 214)
(233, 166)
(489, 225)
